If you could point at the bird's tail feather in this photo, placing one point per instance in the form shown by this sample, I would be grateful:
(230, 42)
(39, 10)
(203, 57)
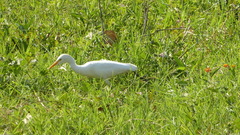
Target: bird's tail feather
(133, 67)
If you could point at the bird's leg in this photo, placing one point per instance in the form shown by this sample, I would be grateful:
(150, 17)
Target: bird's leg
(107, 82)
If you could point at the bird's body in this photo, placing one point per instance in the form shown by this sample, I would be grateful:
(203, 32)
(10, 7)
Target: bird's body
(97, 69)
(103, 69)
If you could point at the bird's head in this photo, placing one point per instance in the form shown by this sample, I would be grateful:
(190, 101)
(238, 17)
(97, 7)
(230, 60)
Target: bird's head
(63, 58)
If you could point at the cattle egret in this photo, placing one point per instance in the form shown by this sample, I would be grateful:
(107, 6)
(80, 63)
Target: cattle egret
(103, 69)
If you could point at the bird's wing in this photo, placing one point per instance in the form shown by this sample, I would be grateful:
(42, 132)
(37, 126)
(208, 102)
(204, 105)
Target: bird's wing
(105, 69)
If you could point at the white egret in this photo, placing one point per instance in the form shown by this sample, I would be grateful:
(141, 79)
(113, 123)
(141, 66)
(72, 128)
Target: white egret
(103, 69)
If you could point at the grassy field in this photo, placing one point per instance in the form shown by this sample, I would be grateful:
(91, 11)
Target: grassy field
(187, 53)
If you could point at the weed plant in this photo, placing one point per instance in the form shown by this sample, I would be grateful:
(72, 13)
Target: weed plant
(187, 53)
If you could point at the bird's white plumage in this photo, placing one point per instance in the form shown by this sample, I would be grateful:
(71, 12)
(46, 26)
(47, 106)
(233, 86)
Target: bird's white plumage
(97, 69)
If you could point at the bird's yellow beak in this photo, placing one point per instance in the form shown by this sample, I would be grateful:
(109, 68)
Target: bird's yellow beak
(55, 63)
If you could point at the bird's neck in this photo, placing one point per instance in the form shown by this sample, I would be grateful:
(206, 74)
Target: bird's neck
(78, 68)
(74, 66)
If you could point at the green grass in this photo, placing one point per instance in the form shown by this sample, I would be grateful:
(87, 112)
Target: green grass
(172, 95)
